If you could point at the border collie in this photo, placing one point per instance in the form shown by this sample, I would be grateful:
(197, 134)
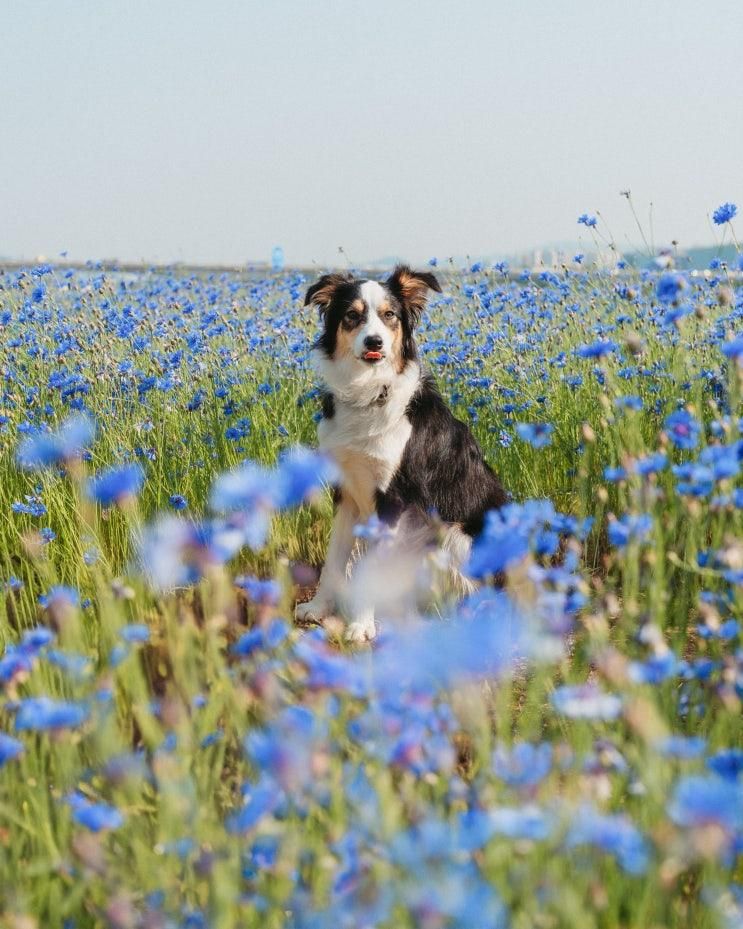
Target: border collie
(402, 454)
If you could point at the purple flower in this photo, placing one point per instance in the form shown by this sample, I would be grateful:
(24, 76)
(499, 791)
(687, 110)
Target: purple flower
(115, 485)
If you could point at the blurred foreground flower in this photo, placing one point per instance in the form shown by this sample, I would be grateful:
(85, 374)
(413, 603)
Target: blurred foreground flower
(94, 816)
(42, 713)
(586, 701)
(115, 485)
(45, 449)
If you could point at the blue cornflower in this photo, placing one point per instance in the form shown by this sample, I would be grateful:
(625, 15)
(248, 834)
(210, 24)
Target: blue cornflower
(60, 597)
(49, 448)
(476, 827)
(259, 591)
(724, 213)
(586, 219)
(630, 528)
(676, 312)
(734, 348)
(260, 801)
(727, 763)
(301, 474)
(683, 430)
(684, 747)
(523, 765)
(538, 435)
(178, 502)
(597, 349)
(247, 487)
(115, 485)
(701, 801)
(655, 669)
(32, 507)
(42, 713)
(629, 402)
(617, 835)
(135, 632)
(669, 286)
(10, 748)
(586, 701)
(650, 464)
(95, 816)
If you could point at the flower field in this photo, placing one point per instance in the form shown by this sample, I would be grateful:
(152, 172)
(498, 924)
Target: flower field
(562, 751)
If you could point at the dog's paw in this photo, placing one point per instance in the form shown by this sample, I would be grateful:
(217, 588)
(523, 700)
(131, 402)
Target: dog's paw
(314, 610)
(361, 631)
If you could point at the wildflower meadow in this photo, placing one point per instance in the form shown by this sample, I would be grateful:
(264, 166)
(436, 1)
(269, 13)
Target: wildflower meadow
(563, 748)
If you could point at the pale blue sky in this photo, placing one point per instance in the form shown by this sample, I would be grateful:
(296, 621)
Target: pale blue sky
(209, 131)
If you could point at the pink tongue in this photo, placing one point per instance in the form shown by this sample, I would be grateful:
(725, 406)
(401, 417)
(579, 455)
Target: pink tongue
(373, 355)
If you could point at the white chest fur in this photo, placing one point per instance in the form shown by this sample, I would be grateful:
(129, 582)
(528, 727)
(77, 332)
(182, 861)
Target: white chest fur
(367, 441)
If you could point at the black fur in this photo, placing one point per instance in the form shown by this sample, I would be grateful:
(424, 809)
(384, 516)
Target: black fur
(328, 406)
(442, 468)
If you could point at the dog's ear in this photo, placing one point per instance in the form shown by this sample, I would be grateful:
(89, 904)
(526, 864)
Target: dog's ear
(411, 288)
(322, 292)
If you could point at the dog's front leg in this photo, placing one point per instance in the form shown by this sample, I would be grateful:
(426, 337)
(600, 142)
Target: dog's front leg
(333, 575)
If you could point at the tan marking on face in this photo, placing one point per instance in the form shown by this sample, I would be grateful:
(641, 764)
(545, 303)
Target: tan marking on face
(344, 342)
(397, 359)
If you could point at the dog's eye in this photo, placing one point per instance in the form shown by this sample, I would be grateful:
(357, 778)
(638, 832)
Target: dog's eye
(389, 315)
(352, 317)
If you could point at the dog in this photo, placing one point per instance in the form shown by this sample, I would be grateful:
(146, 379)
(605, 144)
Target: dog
(402, 455)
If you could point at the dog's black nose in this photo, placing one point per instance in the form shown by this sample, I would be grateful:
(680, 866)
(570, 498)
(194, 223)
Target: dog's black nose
(373, 342)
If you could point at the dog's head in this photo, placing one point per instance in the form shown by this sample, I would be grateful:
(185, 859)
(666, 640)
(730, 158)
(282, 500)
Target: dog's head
(371, 322)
